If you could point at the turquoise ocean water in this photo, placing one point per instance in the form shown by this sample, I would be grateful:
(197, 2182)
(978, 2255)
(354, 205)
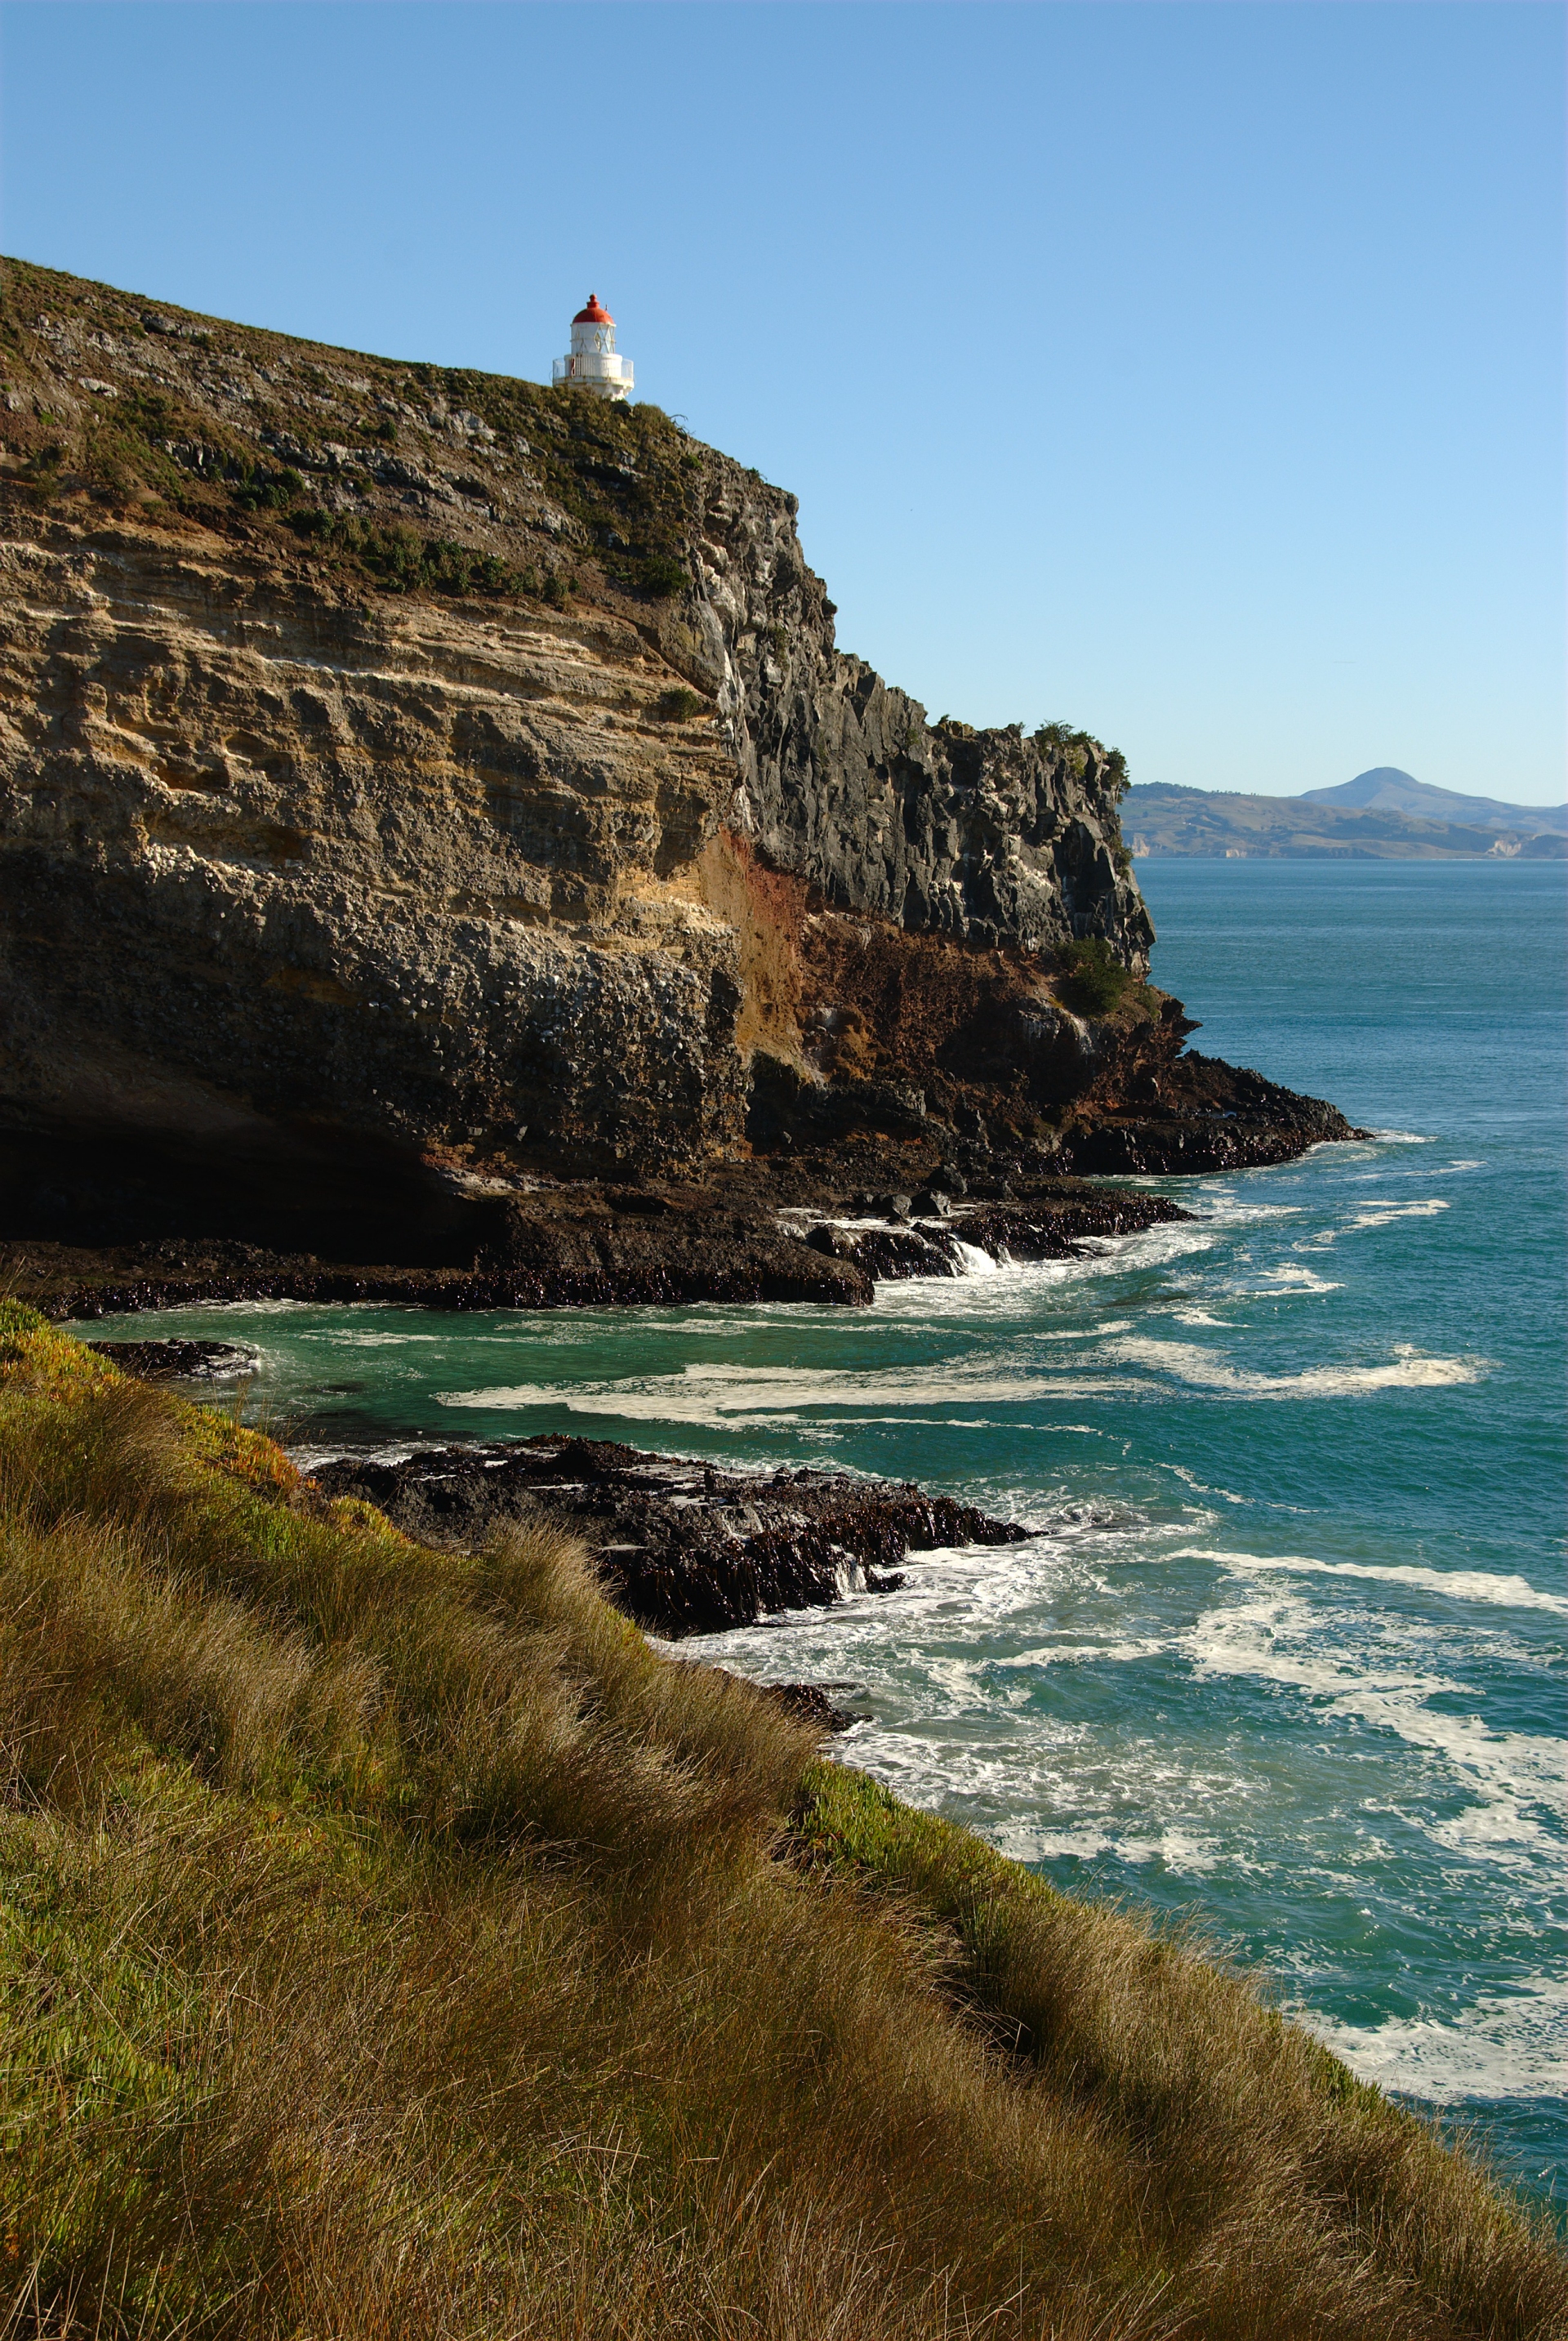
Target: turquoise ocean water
(1286, 1658)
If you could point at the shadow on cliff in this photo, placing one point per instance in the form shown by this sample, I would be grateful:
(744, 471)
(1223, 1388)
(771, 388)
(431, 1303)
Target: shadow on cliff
(305, 1189)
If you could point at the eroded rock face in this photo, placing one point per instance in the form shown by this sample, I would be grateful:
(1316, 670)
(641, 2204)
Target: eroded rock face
(270, 857)
(412, 781)
(988, 836)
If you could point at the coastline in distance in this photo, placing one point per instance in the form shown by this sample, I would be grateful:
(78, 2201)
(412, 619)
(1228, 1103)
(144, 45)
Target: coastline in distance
(1382, 816)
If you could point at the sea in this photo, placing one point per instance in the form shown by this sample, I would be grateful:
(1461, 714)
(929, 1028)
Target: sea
(1284, 1659)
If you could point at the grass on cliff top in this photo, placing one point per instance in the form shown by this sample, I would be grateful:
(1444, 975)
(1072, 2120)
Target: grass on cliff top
(393, 1943)
(172, 443)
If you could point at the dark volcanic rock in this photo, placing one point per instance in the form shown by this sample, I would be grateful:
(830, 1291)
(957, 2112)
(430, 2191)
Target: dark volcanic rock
(1200, 1114)
(577, 1246)
(1040, 1227)
(645, 1246)
(682, 1547)
(812, 1703)
(894, 1255)
(188, 1361)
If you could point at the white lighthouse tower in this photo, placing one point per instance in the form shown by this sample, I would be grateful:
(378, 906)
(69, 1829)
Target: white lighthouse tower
(593, 365)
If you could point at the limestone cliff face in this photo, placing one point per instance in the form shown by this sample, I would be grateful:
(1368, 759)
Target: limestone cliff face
(407, 767)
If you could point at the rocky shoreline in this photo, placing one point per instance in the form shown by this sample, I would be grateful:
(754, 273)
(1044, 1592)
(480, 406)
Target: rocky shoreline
(763, 1231)
(681, 1546)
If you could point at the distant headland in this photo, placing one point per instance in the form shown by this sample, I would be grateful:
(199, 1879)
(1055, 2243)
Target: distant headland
(1382, 816)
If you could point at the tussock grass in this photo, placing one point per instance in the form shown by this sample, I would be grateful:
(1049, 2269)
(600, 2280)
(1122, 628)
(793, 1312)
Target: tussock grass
(391, 1942)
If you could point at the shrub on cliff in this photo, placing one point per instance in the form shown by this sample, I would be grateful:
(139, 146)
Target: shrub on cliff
(661, 574)
(1092, 981)
(400, 561)
(395, 1943)
(257, 489)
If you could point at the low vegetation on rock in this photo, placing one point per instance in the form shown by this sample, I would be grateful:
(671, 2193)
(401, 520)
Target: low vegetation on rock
(395, 1943)
(1096, 983)
(143, 446)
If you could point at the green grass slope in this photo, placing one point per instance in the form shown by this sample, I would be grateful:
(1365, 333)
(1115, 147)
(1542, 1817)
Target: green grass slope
(394, 1943)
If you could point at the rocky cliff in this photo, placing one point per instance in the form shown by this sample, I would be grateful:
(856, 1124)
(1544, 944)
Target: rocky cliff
(419, 784)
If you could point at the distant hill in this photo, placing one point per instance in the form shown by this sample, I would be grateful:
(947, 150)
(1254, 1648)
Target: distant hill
(1326, 825)
(1385, 789)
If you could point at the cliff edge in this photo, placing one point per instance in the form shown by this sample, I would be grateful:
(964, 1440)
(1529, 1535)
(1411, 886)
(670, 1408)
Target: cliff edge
(419, 784)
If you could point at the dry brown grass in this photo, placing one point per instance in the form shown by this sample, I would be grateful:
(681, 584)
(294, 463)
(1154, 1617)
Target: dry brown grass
(394, 1943)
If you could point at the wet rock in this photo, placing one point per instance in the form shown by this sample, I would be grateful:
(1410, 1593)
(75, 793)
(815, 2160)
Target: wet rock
(650, 1248)
(189, 1361)
(812, 1703)
(892, 1255)
(572, 1246)
(930, 1203)
(681, 1546)
(838, 1243)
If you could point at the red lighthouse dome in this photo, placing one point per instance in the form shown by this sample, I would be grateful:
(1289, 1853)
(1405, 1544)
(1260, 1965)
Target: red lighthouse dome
(594, 314)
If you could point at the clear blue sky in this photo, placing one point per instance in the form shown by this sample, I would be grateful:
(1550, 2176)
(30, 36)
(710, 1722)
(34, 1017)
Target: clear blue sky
(1192, 373)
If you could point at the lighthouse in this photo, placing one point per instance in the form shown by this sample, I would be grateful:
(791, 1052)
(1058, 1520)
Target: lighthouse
(592, 363)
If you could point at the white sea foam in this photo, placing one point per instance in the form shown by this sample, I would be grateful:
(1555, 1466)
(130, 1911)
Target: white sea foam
(1015, 1287)
(1515, 1778)
(1452, 1584)
(971, 1592)
(1300, 1280)
(1506, 2045)
(395, 1451)
(708, 1393)
(1377, 1211)
(975, 1261)
(1186, 1852)
(258, 1309)
(1206, 1368)
(1231, 1210)
(1067, 1654)
(1201, 1488)
(392, 1340)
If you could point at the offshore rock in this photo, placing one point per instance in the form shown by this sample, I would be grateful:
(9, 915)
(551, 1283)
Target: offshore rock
(184, 1361)
(681, 1546)
(1199, 1114)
